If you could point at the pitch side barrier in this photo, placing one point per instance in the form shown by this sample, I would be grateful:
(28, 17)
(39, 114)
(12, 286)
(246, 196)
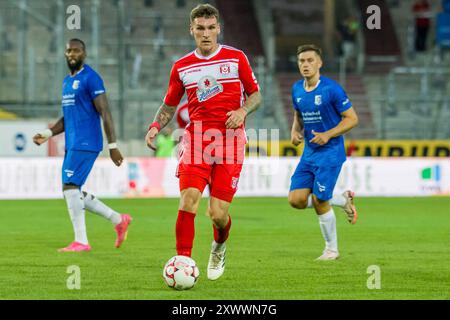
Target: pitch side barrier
(146, 177)
(363, 148)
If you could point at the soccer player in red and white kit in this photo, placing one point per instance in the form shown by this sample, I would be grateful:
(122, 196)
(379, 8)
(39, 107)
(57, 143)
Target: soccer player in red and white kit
(222, 90)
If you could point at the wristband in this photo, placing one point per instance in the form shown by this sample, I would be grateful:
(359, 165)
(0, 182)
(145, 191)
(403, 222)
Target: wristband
(112, 145)
(155, 125)
(47, 133)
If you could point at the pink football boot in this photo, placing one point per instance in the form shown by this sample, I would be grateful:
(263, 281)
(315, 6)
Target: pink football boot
(76, 247)
(122, 229)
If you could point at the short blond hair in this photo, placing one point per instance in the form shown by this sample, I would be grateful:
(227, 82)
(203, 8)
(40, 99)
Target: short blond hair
(204, 11)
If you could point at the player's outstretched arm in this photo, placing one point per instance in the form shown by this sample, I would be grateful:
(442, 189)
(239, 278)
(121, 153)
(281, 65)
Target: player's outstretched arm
(43, 136)
(348, 122)
(297, 129)
(163, 116)
(101, 104)
(236, 118)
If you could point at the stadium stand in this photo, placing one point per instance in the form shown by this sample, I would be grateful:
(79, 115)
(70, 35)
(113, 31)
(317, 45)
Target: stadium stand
(392, 103)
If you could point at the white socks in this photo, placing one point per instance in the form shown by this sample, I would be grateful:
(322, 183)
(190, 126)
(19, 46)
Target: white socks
(75, 205)
(310, 202)
(96, 206)
(338, 200)
(327, 224)
(216, 247)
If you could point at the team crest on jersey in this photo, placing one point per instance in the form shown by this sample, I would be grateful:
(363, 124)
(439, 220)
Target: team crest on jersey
(318, 100)
(234, 182)
(76, 84)
(208, 87)
(225, 68)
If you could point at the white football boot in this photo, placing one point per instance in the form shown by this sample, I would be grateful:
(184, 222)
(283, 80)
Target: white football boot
(328, 255)
(349, 207)
(216, 264)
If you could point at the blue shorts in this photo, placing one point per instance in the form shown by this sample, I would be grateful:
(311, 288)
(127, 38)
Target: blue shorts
(77, 166)
(321, 180)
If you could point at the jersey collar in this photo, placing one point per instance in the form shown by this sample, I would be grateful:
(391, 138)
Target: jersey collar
(212, 55)
(315, 87)
(79, 71)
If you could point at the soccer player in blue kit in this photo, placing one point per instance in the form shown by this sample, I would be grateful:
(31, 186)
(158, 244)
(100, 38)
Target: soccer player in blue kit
(84, 102)
(323, 113)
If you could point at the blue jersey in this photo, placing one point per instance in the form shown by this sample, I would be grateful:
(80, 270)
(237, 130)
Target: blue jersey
(82, 126)
(321, 111)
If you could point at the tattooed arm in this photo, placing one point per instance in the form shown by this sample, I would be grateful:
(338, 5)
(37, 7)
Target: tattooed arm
(163, 116)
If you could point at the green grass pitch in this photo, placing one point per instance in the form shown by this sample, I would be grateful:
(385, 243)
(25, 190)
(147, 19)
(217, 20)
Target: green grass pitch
(271, 252)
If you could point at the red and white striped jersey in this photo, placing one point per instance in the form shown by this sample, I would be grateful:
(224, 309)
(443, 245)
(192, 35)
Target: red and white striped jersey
(215, 85)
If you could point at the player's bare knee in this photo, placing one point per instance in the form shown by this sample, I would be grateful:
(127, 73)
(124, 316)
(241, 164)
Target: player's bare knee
(297, 202)
(189, 201)
(189, 204)
(209, 211)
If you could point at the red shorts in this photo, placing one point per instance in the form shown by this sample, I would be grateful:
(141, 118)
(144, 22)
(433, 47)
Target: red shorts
(217, 162)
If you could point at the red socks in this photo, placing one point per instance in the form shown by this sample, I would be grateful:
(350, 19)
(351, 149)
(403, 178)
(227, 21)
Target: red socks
(185, 232)
(221, 235)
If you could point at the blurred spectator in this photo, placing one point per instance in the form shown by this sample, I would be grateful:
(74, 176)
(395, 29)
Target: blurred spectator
(443, 30)
(422, 13)
(446, 6)
(348, 32)
(165, 143)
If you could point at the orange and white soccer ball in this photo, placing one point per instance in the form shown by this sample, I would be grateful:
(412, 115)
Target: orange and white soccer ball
(181, 273)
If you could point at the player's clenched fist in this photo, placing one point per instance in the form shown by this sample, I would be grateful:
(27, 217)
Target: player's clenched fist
(320, 138)
(42, 137)
(296, 138)
(235, 118)
(116, 156)
(150, 138)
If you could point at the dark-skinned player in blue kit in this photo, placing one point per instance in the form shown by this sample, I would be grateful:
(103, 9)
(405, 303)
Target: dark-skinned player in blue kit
(84, 103)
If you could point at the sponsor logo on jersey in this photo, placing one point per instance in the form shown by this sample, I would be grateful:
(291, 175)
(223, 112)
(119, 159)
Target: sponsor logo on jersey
(68, 100)
(322, 188)
(69, 173)
(298, 100)
(318, 100)
(193, 71)
(208, 87)
(75, 84)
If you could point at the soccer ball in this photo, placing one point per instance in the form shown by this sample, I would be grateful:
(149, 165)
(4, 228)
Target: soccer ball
(181, 273)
